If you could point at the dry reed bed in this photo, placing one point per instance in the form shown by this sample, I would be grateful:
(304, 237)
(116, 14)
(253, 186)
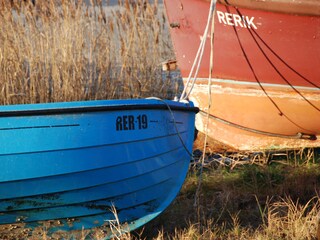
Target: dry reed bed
(66, 51)
(284, 219)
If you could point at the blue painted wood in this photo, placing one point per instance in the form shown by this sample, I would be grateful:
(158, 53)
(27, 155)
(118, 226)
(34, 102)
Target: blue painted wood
(75, 160)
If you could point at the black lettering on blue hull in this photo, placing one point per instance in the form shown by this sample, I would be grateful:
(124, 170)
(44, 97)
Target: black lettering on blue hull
(130, 122)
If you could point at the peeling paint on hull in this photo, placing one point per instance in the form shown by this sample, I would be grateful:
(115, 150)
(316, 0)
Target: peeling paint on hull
(252, 122)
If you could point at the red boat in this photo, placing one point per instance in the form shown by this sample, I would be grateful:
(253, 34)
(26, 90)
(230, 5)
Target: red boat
(258, 79)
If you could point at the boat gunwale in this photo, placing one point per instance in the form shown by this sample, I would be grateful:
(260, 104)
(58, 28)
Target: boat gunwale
(97, 108)
(309, 7)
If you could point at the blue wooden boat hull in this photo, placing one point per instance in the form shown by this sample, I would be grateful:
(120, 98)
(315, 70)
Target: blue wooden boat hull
(72, 162)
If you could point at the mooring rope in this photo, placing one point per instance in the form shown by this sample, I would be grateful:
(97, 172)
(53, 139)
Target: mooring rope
(199, 56)
(280, 112)
(174, 123)
(300, 135)
(212, 8)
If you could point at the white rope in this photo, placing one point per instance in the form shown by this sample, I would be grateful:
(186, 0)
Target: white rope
(199, 55)
(208, 114)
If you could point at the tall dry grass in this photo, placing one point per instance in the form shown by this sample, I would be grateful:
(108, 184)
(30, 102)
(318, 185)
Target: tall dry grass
(60, 50)
(283, 219)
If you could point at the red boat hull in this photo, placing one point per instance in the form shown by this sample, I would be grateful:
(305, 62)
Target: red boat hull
(265, 89)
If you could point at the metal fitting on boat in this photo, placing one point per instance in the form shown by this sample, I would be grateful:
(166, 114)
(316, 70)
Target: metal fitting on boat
(175, 25)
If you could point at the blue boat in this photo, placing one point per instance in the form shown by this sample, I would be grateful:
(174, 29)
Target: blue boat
(73, 162)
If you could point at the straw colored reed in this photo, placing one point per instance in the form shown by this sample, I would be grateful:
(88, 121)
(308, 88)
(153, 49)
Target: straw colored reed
(60, 50)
